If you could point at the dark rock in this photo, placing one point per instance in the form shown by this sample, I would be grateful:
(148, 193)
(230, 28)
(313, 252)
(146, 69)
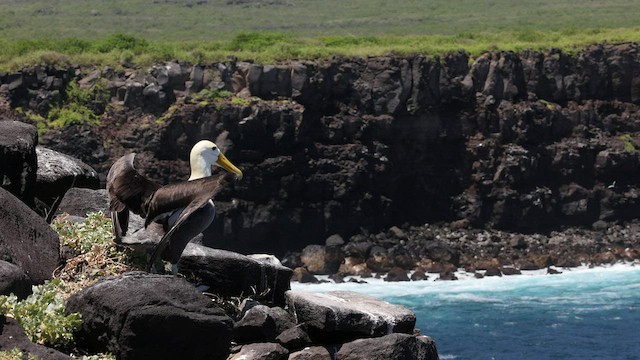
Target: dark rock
(337, 278)
(396, 274)
(260, 351)
(14, 280)
(510, 271)
(136, 315)
(262, 324)
(379, 260)
(294, 338)
(18, 161)
(80, 202)
(447, 275)
(390, 347)
(26, 240)
(552, 271)
(311, 353)
(12, 336)
(334, 240)
(303, 275)
(493, 271)
(233, 274)
(419, 275)
(255, 326)
(322, 260)
(343, 315)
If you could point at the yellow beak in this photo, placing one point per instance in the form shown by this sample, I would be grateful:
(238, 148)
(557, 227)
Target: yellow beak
(227, 165)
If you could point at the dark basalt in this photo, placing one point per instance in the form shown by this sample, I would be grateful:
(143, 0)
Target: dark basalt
(528, 142)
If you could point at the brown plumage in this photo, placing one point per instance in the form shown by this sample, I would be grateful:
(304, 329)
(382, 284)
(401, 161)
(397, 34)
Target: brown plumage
(174, 204)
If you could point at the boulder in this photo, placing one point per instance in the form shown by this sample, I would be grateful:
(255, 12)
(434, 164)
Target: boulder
(12, 336)
(303, 275)
(233, 274)
(80, 202)
(322, 260)
(396, 274)
(345, 315)
(261, 323)
(57, 173)
(419, 275)
(390, 347)
(26, 240)
(18, 160)
(260, 351)
(14, 281)
(294, 338)
(139, 315)
(311, 353)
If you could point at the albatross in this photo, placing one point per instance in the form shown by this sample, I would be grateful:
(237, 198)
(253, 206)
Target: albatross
(185, 208)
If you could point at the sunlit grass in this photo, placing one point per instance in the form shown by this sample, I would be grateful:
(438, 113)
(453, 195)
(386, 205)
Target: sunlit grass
(273, 47)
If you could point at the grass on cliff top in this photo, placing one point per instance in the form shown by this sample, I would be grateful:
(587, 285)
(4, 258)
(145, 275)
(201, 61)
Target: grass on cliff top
(206, 20)
(119, 49)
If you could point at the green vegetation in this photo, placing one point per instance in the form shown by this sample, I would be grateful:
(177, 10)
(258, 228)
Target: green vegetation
(627, 141)
(268, 48)
(95, 255)
(42, 316)
(82, 105)
(143, 32)
(15, 354)
(214, 20)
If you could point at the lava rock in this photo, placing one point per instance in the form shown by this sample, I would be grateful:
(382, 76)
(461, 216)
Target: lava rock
(344, 315)
(18, 160)
(14, 281)
(390, 347)
(14, 337)
(26, 240)
(140, 315)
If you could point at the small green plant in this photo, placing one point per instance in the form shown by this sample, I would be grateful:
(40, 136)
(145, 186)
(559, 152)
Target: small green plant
(82, 237)
(240, 101)
(96, 255)
(15, 354)
(42, 316)
(628, 144)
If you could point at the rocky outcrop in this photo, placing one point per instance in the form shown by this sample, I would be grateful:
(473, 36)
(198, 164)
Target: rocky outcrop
(139, 315)
(526, 142)
(26, 240)
(18, 160)
(341, 315)
(13, 337)
(233, 274)
(14, 281)
(57, 173)
(392, 346)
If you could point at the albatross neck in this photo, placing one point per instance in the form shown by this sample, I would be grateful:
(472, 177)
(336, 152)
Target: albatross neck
(200, 167)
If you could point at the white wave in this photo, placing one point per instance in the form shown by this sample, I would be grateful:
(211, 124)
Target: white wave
(528, 287)
(447, 357)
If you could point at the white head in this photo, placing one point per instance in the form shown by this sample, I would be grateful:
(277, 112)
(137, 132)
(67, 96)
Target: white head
(203, 155)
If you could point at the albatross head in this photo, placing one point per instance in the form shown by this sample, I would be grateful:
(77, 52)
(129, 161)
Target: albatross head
(203, 155)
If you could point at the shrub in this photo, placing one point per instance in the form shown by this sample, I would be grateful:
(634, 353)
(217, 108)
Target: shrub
(42, 316)
(96, 255)
(121, 42)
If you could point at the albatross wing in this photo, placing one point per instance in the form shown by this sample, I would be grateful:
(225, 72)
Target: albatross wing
(128, 191)
(190, 195)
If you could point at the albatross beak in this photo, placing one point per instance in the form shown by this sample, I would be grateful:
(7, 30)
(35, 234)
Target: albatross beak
(227, 165)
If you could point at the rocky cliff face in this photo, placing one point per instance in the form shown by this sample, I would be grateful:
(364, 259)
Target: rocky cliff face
(526, 142)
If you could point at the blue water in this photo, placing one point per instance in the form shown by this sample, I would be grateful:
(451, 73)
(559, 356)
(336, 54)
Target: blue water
(579, 314)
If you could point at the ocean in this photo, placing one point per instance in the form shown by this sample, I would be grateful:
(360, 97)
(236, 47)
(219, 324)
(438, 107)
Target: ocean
(583, 313)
